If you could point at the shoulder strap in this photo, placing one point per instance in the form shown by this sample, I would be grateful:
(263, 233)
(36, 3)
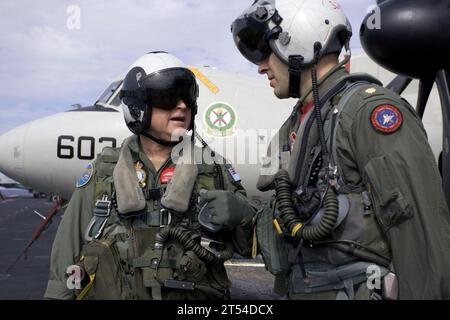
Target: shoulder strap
(106, 161)
(104, 188)
(219, 182)
(297, 170)
(333, 123)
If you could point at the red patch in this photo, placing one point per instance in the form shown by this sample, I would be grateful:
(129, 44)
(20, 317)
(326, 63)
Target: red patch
(166, 175)
(386, 118)
(305, 110)
(348, 65)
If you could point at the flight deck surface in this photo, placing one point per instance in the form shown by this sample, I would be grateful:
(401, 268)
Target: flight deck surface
(28, 279)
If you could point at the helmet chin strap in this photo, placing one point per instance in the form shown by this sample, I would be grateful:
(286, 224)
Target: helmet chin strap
(162, 142)
(295, 71)
(295, 74)
(166, 142)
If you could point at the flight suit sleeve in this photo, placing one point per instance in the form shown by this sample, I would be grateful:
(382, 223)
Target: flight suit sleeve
(242, 234)
(68, 241)
(399, 170)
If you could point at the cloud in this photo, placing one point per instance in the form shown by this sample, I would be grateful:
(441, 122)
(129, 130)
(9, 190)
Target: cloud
(12, 115)
(356, 11)
(46, 64)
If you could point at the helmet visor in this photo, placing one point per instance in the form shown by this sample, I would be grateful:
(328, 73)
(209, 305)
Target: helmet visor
(166, 87)
(249, 35)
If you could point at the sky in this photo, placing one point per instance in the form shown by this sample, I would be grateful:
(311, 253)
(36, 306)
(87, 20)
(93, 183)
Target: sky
(49, 61)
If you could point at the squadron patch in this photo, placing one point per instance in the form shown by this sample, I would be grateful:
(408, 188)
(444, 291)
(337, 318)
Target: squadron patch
(220, 119)
(386, 118)
(86, 176)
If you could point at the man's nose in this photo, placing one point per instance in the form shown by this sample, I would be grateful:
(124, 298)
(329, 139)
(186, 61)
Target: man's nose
(181, 105)
(263, 67)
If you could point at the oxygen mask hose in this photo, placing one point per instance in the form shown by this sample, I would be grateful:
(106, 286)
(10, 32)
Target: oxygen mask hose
(284, 192)
(188, 240)
(286, 208)
(317, 106)
(288, 216)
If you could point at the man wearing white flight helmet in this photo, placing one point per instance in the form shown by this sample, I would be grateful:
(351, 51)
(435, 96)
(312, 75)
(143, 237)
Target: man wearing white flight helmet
(359, 211)
(146, 222)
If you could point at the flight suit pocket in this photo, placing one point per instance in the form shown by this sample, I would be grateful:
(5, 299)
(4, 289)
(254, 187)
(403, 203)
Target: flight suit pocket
(390, 205)
(101, 263)
(271, 246)
(374, 237)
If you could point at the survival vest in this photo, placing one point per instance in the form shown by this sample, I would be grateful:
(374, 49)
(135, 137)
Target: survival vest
(120, 259)
(332, 263)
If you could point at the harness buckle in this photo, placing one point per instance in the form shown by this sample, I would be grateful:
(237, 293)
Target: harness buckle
(213, 246)
(154, 194)
(103, 207)
(333, 175)
(102, 211)
(165, 217)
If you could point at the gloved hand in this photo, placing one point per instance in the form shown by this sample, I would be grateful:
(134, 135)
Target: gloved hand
(222, 210)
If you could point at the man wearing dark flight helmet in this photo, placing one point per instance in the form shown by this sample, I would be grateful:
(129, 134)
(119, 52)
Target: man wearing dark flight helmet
(147, 222)
(359, 211)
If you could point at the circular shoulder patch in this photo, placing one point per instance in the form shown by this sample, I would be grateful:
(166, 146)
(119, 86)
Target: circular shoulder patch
(386, 118)
(86, 176)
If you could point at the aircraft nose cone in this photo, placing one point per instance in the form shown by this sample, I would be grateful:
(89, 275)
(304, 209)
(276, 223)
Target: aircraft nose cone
(12, 153)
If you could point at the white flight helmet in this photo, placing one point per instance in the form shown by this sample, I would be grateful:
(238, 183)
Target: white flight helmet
(297, 31)
(157, 79)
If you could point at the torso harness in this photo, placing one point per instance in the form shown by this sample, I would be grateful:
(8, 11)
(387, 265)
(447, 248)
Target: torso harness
(155, 249)
(321, 217)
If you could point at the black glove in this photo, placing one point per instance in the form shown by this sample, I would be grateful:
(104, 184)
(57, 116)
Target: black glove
(223, 210)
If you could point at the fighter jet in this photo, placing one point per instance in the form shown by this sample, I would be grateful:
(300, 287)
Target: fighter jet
(238, 115)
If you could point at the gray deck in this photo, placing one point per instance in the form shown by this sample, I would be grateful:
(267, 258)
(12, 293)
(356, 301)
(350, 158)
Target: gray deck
(27, 280)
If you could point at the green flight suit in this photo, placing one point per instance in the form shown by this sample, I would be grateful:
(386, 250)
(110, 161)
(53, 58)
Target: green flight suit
(406, 219)
(136, 235)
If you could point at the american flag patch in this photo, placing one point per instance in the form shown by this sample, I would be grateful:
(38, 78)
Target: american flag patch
(233, 173)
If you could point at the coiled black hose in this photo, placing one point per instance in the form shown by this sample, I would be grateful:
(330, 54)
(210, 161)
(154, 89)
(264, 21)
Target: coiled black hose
(187, 240)
(283, 193)
(292, 223)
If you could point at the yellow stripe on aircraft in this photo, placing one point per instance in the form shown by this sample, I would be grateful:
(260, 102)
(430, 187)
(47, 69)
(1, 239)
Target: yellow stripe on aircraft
(204, 79)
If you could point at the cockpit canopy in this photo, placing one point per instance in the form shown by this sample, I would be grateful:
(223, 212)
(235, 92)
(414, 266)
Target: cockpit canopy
(111, 95)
